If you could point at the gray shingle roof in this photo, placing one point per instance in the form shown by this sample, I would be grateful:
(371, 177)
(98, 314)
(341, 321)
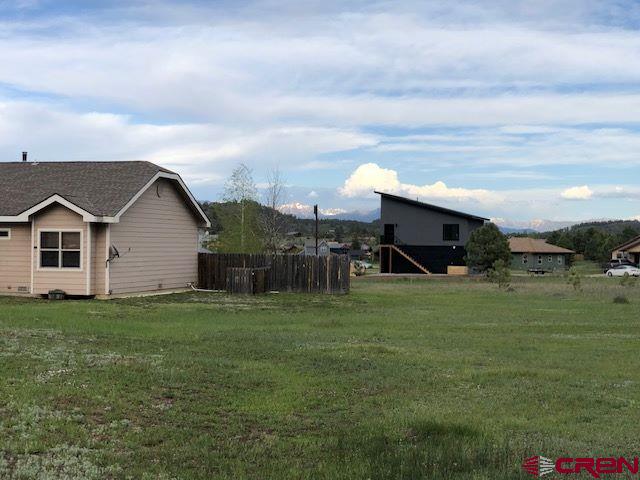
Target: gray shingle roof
(100, 188)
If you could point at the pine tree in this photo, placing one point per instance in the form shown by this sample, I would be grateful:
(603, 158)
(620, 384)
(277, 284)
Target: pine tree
(487, 245)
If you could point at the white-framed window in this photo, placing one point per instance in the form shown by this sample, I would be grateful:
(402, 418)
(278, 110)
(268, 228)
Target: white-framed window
(525, 258)
(539, 259)
(550, 258)
(5, 234)
(60, 249)
(560, 262)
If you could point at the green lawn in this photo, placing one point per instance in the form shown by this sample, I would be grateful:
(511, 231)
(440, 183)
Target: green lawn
(586, 267)
(444, 378)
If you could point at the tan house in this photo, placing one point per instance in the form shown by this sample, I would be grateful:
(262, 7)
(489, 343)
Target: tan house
(96, 228)
(628, 251)
(536, 254)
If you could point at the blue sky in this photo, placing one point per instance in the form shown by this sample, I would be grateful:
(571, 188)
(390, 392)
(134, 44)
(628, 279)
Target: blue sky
(518, 111)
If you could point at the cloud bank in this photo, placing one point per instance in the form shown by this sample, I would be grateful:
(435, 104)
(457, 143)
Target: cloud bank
(370, 176)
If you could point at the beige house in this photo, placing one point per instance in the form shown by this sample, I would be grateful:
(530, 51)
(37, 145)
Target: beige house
(628, 251)
(96, 228)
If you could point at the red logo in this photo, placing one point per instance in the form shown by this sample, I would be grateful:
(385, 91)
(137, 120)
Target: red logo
(538, 466)
(596, 467)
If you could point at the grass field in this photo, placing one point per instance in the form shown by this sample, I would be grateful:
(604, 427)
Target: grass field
(445, 378)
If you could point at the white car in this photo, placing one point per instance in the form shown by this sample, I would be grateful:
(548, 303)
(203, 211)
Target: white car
(621, 270)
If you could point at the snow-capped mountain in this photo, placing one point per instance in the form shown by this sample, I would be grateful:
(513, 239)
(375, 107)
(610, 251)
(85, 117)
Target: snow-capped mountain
(302, 210)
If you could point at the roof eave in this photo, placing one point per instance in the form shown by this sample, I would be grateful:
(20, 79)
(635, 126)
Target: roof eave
(55, 198)
(628, 243)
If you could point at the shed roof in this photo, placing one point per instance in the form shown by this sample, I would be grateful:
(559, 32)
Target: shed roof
(429, 206)
(100, 188)
(534, 245)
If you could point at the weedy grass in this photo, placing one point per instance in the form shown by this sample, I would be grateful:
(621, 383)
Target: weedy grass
(401, 379)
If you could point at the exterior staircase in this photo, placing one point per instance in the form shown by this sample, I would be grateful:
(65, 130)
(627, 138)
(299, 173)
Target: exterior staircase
(413, 261)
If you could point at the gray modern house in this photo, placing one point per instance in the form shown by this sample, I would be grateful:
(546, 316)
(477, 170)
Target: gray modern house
(418, 237)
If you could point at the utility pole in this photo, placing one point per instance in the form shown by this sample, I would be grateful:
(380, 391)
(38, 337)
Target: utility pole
(315, 212)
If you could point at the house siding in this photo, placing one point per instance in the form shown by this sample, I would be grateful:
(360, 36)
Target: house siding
(157, 241)
(419, 233)
(420, 226)
(558, 261)
(15, 263)
(99, 257)
(631, 252)
(323, 250)
(73, 282)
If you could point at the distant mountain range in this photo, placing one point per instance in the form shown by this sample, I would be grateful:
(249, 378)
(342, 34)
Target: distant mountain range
(531, 226)
(338, 223)
(304, 211)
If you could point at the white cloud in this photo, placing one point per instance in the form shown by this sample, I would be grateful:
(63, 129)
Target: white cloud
(370, 176)
(312, 194)
(577, 193)
(230, 70)
(201, 87)
(203, 152)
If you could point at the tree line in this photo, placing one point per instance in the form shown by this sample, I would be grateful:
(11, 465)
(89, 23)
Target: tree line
(595, 241)
(488, 248)
(246, 222)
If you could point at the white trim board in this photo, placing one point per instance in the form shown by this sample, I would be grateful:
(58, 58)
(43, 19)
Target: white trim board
(24, 216)
(83, 250)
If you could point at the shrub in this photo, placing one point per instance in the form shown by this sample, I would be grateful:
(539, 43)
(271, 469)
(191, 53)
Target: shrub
(627, 280)
(499, 273)
(574, 279)
(621, 299)
(486, 245)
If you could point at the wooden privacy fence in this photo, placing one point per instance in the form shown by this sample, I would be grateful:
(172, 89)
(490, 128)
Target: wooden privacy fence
(284, 273)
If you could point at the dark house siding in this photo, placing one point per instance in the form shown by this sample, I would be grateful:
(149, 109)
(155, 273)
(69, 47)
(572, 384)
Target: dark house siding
(420, 232)
(416, 225)
(435, 259)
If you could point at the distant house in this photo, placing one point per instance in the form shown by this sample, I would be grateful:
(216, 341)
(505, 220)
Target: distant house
(536, 254)
(325, 247)
(628, 251)
(96, 228)
(310, 247)
(418, 237)
(338, 248)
